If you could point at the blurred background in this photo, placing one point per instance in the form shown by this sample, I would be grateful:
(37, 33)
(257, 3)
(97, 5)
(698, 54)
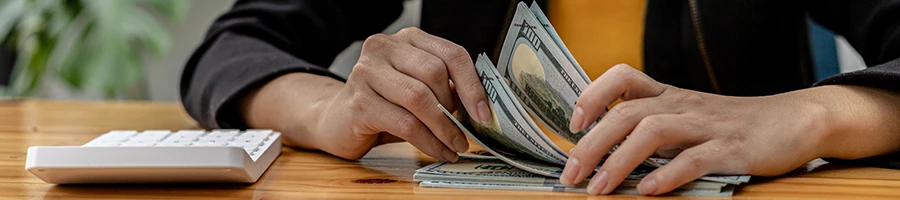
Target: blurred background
(135, 49)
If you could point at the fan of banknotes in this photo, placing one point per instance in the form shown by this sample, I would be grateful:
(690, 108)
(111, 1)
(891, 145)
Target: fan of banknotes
(542, 81)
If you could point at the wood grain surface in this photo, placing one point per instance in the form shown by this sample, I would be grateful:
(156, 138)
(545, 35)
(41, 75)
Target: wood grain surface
(385, 173)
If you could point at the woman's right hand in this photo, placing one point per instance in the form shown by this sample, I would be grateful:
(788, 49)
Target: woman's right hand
(390, 96)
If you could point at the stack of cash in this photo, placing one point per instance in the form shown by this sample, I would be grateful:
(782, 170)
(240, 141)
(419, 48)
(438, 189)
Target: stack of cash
(543, 82)
(482, 172)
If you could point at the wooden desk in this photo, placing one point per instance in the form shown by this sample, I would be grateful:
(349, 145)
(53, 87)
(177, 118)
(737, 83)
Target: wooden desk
(385, 173)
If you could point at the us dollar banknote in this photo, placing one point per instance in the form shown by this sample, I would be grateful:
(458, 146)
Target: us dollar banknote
(543, 81)
(511, 132)
(540, 73)
(487, 173)
(545, 22)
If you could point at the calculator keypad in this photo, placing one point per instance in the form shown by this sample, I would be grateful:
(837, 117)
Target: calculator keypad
(251, 140)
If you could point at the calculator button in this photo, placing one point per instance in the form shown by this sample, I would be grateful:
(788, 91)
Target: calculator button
(257, 141)
(185, 135)
(254, 135)
(267, 131)
(219, 135)
(151, 135)
(138, 143)
(177, 141)
(251, 148)
(199, 132)
(210, 142)
(235, 131)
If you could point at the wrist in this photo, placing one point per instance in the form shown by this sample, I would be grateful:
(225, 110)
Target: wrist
(292, 104)
(856, 122)
(812, 121)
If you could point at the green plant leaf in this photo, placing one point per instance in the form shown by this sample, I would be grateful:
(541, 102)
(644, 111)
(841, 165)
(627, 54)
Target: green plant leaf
(175, 10)
(61, 16)
(31, 51)
(10, 13)
(63, 59)
(31, 70)
(142, 27)
(93, 45)
(73, 68)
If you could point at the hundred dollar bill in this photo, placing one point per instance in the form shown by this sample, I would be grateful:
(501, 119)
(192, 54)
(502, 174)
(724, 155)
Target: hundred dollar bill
(730, 179)
(724, 192)
(493, 170)
(540, 73)
(512, 136)
(511, 132)
(695, 185)
(555, 36)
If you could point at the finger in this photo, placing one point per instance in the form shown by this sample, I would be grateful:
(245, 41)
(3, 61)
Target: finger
(609, 132)
(689, 165)
(460, 68)
(422, 66)
(652, 133)
(416, 97)
(399, 122)
(620, 81)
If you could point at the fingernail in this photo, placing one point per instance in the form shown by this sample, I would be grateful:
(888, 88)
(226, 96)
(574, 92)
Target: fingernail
(598, 183)
(570, 172)
(587, 123)
(577, 121)
(484, 113)
(647, 187)
(450, 155)
(461, 144)
(609, 188)
(572, 151)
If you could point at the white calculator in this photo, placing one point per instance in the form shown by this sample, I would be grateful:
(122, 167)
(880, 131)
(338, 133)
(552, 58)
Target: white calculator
(159, 156)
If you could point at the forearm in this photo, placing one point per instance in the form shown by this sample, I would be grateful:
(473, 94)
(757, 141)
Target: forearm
(861, 121)
(288, 100)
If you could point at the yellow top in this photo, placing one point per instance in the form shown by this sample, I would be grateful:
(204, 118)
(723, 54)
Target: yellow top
(601, 33)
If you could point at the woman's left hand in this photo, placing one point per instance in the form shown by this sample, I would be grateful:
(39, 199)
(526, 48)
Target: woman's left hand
(705, 133)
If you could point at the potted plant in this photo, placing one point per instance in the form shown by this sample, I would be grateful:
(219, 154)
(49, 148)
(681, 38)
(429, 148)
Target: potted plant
(91, 45)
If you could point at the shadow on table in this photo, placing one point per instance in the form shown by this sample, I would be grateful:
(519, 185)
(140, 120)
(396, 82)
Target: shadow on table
(817, 166)
(161, 191)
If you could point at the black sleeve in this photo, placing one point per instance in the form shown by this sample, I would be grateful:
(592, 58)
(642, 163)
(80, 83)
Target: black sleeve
(873, 29)
(256, 41)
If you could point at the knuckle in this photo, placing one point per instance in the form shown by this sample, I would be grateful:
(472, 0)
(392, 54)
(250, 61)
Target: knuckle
(653, 126)
(410, 30)
(361, 69)
(377, 41)
(455, 51)
(696, 160)
(408, 125)
(624, 110)
(457, 54)
(623, 69)
(416, 95)
(620, 71)
(689, 99)
(434, 69)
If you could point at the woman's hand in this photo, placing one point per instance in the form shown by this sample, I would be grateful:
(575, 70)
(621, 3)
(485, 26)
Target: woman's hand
(391, 95)
(715, 134)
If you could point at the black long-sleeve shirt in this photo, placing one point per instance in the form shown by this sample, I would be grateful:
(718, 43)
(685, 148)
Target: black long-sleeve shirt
(741, 48)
